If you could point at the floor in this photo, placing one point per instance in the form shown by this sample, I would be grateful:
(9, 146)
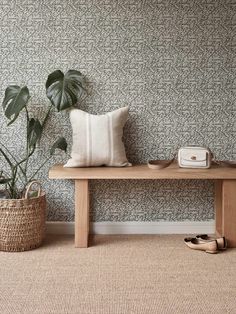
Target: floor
(117, 275)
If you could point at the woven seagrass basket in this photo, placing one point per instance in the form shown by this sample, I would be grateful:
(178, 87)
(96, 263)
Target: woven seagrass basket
(22, 222)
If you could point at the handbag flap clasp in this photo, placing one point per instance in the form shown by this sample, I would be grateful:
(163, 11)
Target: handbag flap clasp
(194, 155)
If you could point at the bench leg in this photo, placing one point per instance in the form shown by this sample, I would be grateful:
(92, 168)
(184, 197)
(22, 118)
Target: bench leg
(81, 213)
(229, 211)
(218, 207)
(225, 209)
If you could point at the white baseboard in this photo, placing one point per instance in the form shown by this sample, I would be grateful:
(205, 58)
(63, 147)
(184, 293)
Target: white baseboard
(136, 227)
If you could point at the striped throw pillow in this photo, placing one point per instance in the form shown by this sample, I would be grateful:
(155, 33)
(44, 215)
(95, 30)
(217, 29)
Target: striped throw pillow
(97, 139)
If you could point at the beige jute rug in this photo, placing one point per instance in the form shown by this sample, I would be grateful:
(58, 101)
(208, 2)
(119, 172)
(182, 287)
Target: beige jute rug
(117, 275)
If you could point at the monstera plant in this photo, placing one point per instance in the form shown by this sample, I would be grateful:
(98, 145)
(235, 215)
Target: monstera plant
(63, 91)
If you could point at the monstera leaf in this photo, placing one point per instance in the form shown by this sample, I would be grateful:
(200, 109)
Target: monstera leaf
(59, 144)
(34, 133)
(15, 100)
(4, 180)
(64, 90)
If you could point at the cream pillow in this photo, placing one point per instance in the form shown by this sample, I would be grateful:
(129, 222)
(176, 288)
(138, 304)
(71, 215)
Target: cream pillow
(97, 139)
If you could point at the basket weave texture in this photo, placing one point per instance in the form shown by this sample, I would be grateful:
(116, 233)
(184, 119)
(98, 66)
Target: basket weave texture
(22, 223)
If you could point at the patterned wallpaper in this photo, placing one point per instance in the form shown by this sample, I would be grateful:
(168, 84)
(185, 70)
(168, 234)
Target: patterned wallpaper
(171, 61)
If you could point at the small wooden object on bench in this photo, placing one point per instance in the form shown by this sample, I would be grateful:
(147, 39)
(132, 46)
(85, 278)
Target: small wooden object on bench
(225, 192)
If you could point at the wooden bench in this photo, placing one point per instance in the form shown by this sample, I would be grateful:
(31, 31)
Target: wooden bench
(225, 192)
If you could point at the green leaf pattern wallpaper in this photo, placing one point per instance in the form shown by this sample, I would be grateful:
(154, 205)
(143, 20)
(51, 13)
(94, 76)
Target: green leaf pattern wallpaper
(171, 61)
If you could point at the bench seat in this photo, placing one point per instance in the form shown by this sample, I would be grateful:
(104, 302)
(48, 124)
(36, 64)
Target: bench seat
(225, 191)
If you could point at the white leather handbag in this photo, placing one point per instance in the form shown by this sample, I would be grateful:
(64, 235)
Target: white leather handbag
(194, 157)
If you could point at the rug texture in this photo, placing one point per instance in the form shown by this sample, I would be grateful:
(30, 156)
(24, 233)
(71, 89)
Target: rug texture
(117, 275)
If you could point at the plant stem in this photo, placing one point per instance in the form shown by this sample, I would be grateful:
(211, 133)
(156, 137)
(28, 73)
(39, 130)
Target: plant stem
(47, 116)
(26, 158)
(17, 162)
(34, 174)
(27, 140)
